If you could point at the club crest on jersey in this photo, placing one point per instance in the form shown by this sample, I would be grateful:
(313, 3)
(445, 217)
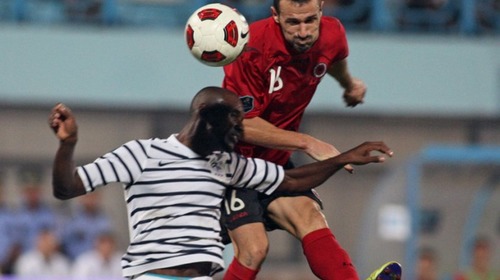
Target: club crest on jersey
(319, 70)
(247, 102)
(217, 162)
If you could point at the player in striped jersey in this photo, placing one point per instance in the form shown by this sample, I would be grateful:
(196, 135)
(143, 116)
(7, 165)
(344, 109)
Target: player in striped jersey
(174, 187)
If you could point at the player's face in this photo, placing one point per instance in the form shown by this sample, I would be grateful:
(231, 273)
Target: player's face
(234, 127)
(299, 22)
(226, 126)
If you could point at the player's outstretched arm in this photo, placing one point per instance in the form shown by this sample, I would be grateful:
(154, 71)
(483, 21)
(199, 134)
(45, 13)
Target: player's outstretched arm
(65, 181)
(262, 133)
(312, 175)
(354, 88)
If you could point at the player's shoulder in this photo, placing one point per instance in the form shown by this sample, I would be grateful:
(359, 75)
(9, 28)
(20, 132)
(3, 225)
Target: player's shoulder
(331, 21)
(141, 142)
(265, 37)
(260, 27)
(333, 25)
(261, 32)
(332, 35)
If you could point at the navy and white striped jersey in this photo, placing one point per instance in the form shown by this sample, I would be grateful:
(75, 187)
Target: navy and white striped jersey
(173, 198)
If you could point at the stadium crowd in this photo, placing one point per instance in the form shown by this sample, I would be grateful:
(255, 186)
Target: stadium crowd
(469, 17)
(41, 240)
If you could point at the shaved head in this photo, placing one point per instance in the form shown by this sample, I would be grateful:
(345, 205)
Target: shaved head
(210, 96)
(216, 121)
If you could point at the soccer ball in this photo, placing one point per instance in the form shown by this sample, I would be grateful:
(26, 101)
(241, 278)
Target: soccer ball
(216, 34)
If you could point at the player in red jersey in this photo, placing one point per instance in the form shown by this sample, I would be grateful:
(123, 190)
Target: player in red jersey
(276, 77)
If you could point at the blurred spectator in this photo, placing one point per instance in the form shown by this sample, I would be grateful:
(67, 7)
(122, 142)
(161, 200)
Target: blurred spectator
(9, 249)
(427, 265)
(335, 3)
(429, 15)
(34, 214)
(102, 261)
(83, 10)
(85, 225)
(45, 259)
(488, 15)
(480, 267)
(352, 13)
(426, 4)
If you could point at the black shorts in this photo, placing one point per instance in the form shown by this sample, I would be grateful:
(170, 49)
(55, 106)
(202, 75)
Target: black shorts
(244, 206)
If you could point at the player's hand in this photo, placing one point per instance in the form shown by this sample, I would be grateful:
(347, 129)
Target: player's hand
(355, 94)
(63, 123)
(319, 150)
(362, 154)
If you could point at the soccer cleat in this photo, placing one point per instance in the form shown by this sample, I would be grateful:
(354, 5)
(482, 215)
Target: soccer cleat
(389, 271)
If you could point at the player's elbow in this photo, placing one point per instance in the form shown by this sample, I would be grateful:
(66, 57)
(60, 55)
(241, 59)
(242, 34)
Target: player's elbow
(289, 184)
(63, 193)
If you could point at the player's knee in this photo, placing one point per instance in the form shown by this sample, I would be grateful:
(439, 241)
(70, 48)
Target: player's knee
(312, 219)
(254, 254)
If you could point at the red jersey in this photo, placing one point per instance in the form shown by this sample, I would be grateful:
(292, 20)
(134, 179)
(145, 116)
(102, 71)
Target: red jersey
(277, 84)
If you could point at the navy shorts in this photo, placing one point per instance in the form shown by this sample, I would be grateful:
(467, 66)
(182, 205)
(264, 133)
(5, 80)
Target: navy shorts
(244, 206)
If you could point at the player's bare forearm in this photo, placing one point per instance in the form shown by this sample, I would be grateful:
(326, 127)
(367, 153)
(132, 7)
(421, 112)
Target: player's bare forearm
(262, 133)
(354, 88)
(312, 175)
(340, 72)
(65, 181)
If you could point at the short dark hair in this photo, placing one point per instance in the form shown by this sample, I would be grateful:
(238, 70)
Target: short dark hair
(276, 3)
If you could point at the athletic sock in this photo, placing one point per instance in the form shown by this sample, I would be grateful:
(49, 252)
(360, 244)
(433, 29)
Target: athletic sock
(236, 271)
(328, 261)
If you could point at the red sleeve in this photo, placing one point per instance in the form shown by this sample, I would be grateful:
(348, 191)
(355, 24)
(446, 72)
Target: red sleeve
(244, 77)
(336, 39)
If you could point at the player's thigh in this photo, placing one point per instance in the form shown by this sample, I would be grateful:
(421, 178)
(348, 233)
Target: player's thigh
(240, 207)
(299, 215)
(243, 217)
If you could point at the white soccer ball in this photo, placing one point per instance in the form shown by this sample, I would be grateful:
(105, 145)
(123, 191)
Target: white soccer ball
(216, 34)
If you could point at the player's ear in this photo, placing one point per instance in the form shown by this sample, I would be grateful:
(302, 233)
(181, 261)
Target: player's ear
(275, 14)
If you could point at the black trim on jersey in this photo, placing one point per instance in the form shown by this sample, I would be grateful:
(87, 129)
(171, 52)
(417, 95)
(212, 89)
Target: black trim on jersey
(142, 147)
(126, 168)
(104, 182)
(173, 194)
(230, 159)
(243, 170)
(275, 179)
(180, 253)
(140, 209)
(263, 178)
(134, 157)
(91, 185)
(191, 251)
(178, 227)
(175, 169)
(196, 250)
(170, 239)
(253, 173)
(169, 152)
(114, 171)
(180, 180)
(145, 221)
(231, 156)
